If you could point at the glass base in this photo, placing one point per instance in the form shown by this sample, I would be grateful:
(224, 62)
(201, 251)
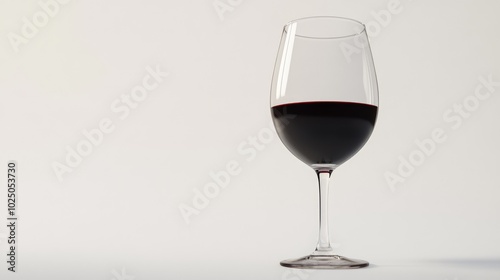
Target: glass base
(324, 262)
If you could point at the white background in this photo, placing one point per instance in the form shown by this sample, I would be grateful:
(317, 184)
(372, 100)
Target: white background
(116, 215)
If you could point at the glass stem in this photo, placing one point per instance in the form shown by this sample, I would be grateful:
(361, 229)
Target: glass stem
(323, 247)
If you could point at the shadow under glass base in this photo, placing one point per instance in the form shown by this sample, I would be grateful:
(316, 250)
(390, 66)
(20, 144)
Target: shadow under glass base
(324, 262)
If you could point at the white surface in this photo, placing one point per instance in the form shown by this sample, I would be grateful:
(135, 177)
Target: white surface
(119, 208)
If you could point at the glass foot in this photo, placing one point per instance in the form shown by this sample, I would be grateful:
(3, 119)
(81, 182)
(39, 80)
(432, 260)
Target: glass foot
(324, 262)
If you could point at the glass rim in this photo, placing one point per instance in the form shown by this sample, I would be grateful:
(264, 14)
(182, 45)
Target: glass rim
(363, 28)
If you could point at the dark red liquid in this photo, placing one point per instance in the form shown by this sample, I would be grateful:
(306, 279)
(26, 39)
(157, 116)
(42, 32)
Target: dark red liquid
(324, 132)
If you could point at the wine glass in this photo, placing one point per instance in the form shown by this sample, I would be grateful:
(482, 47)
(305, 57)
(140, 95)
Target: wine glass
(324, 103)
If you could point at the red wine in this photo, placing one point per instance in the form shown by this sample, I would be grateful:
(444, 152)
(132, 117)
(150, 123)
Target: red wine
(324, 132)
